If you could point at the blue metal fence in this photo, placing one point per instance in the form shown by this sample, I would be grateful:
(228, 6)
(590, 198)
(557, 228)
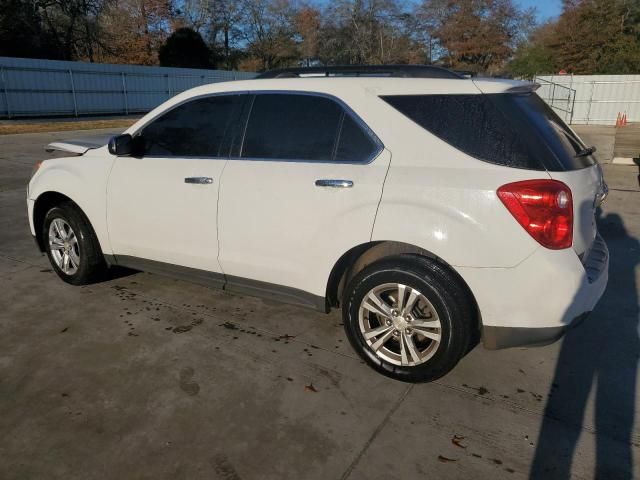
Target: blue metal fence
(49, 87)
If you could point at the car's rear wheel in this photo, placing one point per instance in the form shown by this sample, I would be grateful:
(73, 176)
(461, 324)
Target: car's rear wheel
(71, 245)
(408, 317)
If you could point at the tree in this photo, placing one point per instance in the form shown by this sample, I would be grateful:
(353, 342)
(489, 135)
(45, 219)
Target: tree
(599, 36)
(368, 31)
(307, 24)
(70, 28)
(137, 29)
(536, 55)
(185, 48)
(22, 33)
(476, 35)
(228, 17)
(267, 28)
(590, 37)
(56, 29)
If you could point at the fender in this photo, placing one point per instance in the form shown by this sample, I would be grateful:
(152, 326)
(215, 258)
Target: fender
(83, 179)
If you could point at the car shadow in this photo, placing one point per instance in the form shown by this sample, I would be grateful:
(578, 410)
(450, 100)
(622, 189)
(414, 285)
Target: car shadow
(600, 355)
(115, 272)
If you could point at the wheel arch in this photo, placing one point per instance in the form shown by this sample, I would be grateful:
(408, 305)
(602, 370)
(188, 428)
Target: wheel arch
(357, 258)
(45, 202)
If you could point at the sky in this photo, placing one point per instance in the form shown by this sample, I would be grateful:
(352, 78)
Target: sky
(545, 9)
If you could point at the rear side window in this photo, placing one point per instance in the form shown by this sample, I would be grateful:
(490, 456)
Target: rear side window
(470, 123)
(515, 130)
(193, 129)
(304, 127)
(559, 138)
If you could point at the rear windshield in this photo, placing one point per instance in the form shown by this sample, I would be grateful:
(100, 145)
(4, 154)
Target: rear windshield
(515, 130)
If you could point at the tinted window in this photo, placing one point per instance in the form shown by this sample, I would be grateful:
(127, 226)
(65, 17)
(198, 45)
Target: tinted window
(354, 143)
(555, 133)
(471, 123)
(193, 129)
(508, 129)
(303, 127)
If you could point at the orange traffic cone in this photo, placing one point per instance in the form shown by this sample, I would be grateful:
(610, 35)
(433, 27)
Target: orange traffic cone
(618, 120)
(624, 119)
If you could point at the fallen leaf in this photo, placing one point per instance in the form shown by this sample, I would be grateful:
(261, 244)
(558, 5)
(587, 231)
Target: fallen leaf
(456, 440)
(446, 460)
(182, 328)
(310, 388)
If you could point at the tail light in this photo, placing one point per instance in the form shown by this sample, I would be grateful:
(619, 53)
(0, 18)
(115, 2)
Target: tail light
(544, 208)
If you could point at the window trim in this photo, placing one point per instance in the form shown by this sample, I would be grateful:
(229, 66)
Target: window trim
(347, 110)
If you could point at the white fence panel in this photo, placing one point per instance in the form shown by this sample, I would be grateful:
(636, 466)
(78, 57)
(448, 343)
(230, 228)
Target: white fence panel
(597, 99)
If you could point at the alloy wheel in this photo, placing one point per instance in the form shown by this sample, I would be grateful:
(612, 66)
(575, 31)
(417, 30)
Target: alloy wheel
(64, 246)
(399, 324)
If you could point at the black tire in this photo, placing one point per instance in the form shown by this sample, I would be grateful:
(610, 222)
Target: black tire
(445, 293)
(92, 265)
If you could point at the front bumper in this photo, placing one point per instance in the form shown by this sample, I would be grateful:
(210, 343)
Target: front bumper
(30, 206)
(535, 302)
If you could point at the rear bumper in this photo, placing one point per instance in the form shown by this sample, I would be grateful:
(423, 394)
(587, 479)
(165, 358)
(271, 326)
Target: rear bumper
(494, 338)
(535, 302)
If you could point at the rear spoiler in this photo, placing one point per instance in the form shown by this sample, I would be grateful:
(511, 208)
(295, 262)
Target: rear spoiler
(525, 88)
(78, 147)
(495, 85)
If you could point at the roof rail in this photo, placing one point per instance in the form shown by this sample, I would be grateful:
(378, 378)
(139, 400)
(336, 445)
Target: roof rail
(403, 71)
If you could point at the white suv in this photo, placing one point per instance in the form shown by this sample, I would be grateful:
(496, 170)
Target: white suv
(435, 210)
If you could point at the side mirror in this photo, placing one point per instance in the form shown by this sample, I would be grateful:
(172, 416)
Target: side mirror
(124, 145)
(120, 145)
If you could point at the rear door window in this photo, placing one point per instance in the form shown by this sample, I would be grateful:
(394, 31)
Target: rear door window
(194, 129)
(354, 142)
(304, 127)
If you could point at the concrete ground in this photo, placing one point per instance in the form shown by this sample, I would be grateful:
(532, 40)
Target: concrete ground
(602, 136)
(148, 377)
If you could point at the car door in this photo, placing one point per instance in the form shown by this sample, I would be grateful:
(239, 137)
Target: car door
(300, 191)
(162, 205)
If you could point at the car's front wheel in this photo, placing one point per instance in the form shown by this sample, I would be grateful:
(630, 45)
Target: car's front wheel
(408, 317)
(71, 245)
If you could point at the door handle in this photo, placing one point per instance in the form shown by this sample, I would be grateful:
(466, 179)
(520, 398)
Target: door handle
(199, 180)
(334, 183)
